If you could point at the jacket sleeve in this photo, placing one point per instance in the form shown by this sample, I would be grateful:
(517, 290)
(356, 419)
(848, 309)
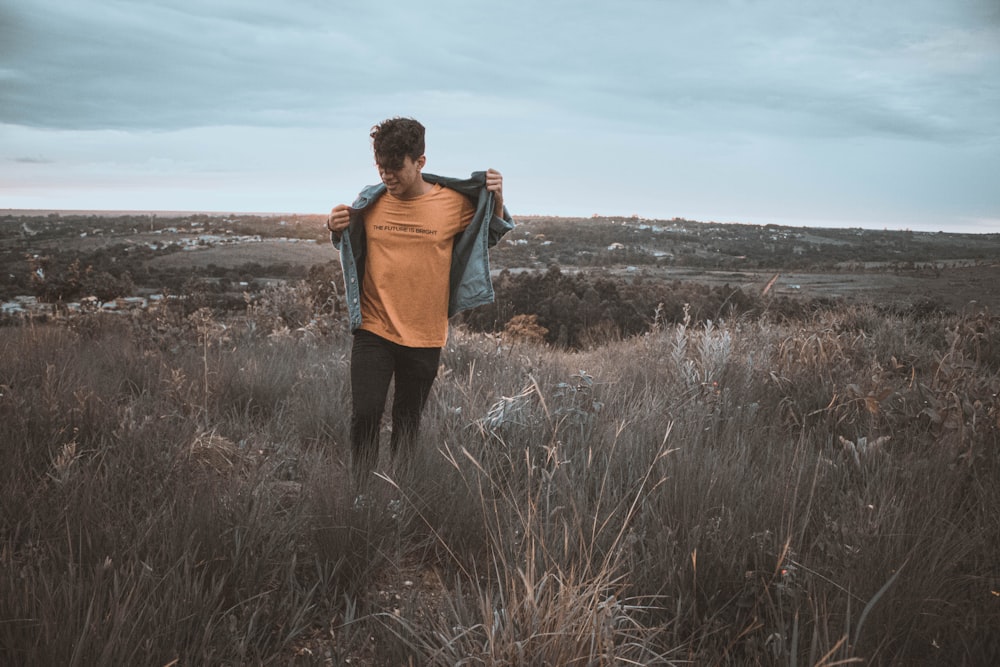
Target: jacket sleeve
(470, 282)
(498, 225)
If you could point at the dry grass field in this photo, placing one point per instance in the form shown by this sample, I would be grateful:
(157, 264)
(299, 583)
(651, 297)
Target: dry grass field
(751, 492)
(810, 489)
(266, 252)
(955, 287)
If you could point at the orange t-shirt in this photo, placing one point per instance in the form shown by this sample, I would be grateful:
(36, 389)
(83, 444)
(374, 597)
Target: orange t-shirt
(404, 295)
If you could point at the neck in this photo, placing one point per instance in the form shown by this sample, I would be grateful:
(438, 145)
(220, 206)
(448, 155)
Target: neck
(419, 188)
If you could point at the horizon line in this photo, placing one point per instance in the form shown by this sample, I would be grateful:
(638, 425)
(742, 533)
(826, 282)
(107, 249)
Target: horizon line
(632, 216)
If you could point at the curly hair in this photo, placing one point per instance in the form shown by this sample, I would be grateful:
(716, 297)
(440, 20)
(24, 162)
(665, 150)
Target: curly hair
(395, 138)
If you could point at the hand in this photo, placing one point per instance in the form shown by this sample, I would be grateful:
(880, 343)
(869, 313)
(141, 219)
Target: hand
(494, 183)
(339, 218)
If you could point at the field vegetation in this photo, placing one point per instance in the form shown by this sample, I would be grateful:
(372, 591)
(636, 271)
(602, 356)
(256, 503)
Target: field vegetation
(60, 258)
(728, 482)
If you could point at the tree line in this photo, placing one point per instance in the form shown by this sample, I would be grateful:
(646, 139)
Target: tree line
(581, 308)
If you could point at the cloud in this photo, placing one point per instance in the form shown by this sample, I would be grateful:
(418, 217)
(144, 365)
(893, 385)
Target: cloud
(838, 70)
(93, 64)
(779, 100)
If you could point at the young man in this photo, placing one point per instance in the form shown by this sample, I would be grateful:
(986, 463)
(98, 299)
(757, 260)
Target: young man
(414, 253)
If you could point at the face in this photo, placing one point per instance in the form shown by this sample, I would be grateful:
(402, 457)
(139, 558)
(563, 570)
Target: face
(405, 182)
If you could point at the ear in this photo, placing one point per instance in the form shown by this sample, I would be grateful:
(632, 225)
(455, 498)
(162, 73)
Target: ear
(421, 161)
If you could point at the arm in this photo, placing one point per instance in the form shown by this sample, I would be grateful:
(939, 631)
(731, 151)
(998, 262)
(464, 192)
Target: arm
(501, 222)
(494, 183)
(338, 220)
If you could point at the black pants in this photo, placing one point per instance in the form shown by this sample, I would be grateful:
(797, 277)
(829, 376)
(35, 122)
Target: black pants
(374, 362)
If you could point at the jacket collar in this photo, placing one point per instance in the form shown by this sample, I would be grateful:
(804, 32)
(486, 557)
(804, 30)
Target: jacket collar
(470, 187)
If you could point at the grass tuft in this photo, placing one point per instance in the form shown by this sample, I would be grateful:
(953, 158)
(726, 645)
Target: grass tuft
(173, 490)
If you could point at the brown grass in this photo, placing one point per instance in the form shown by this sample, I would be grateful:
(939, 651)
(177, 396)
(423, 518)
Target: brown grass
(820, 492)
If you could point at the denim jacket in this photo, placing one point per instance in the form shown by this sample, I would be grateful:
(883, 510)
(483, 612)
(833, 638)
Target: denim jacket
(470, 284)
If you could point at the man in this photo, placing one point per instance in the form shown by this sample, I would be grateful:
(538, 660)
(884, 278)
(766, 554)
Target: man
(414, 253)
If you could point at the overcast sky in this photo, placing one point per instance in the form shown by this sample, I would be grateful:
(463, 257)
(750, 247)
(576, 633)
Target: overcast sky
(860, 113)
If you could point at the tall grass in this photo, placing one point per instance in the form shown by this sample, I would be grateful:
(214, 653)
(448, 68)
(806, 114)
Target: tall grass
(819, 492)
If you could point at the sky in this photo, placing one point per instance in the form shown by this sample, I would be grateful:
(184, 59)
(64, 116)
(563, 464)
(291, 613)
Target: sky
(795, 112)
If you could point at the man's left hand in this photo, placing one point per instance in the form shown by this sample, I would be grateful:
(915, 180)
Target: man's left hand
(494, 183)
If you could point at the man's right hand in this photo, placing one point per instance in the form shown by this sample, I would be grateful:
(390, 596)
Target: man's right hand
(339, 218)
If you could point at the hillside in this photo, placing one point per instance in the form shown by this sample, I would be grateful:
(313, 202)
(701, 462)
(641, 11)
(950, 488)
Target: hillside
(650, 450)
(757, 491)
(63, 257)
